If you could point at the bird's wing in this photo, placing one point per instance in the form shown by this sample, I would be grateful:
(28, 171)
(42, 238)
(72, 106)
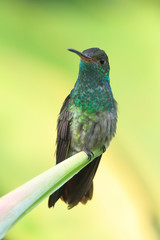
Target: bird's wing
(63, 143)
(63, 132)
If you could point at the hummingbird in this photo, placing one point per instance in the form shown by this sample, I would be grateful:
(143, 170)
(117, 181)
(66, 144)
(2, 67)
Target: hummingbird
(87, 121)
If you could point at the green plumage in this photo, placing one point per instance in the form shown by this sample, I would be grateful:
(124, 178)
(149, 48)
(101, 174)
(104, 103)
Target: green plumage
(87, 121)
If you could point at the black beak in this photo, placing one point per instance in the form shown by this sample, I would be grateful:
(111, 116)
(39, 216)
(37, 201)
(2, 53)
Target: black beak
(82, 55)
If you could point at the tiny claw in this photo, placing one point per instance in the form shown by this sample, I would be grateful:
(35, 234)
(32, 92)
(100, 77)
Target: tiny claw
(89, 153)
(104, 148)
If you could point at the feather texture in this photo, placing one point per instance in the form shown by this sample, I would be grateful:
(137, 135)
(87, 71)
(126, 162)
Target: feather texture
(80, 187)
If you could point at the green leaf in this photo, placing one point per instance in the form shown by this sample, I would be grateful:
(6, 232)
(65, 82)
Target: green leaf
(17, 203)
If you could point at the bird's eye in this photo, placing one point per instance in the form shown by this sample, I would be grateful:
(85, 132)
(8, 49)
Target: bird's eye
(102, 61)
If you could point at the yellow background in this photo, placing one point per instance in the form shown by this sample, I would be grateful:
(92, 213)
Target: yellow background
(37, 73)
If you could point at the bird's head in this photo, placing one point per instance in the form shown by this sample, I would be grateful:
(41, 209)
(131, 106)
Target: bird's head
(94, 60)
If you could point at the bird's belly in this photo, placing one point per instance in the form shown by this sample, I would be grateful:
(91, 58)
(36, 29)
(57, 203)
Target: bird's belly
(92, 130)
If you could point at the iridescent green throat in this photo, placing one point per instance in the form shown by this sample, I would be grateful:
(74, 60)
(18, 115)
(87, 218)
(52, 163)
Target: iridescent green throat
(92, 91)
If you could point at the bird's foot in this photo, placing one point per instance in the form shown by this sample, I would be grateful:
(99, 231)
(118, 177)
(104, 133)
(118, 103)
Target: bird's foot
(89, 153)
(104, 148)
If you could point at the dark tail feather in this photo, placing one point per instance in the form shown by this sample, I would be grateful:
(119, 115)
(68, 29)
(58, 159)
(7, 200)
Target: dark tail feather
(54, 197)
(79, 188)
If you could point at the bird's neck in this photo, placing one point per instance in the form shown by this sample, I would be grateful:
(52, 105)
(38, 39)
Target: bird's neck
(92, 91)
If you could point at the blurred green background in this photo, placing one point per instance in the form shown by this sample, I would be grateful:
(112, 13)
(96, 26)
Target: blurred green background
(37, 73)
